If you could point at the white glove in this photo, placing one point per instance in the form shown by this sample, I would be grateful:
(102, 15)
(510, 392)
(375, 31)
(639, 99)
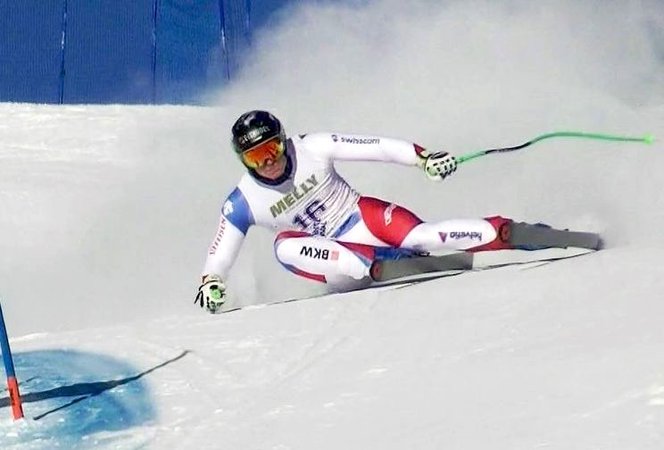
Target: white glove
(211, 294)
(438, 165)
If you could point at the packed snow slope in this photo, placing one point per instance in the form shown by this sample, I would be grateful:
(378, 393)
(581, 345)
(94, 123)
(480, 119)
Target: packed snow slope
(106, 213)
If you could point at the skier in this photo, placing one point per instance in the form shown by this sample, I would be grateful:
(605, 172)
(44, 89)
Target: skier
(327, 231)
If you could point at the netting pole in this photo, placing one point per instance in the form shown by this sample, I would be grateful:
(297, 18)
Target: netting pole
(12, 382)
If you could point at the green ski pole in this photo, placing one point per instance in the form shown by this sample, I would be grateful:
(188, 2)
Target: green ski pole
(647, 139)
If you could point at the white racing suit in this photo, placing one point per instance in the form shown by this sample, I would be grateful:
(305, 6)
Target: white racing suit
(328, 232)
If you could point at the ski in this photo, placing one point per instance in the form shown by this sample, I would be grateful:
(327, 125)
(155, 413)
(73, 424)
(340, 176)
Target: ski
(534, 237)
(533, 244)
(453, 263)
(419, 265)
(522, 236)
(489, 261)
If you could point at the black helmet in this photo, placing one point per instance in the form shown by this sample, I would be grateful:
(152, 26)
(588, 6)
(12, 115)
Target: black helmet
(253, 128)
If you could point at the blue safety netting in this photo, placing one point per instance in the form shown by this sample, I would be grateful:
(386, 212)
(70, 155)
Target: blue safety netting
(124, 51)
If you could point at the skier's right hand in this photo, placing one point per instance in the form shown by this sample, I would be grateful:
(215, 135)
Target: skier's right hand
(211, 293)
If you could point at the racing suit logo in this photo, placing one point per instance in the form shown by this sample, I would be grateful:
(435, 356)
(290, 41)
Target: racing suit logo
(293, 196)
(318, 253)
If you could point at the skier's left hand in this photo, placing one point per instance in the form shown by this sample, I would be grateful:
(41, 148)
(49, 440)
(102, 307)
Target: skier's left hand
(439, 165)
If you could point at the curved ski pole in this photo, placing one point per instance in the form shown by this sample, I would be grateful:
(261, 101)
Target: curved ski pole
(648, 139)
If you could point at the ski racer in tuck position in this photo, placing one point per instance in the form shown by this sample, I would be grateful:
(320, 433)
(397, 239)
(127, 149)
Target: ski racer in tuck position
(327, 231)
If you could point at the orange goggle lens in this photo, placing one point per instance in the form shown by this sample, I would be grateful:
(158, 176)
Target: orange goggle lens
(259, 155)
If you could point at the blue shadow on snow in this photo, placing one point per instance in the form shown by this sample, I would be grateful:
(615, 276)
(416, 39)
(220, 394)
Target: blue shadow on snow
(72, 394)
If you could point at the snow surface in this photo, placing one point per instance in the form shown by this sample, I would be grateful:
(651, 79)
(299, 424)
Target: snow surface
(107, 211)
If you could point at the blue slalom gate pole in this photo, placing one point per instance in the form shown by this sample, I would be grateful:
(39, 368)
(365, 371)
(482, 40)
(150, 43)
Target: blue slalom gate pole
(12, 382)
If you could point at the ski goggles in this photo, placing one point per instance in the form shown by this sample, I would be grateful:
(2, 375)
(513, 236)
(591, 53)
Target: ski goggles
(269, 150)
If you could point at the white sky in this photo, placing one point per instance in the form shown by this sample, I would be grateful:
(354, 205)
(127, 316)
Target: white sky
(107, 212)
